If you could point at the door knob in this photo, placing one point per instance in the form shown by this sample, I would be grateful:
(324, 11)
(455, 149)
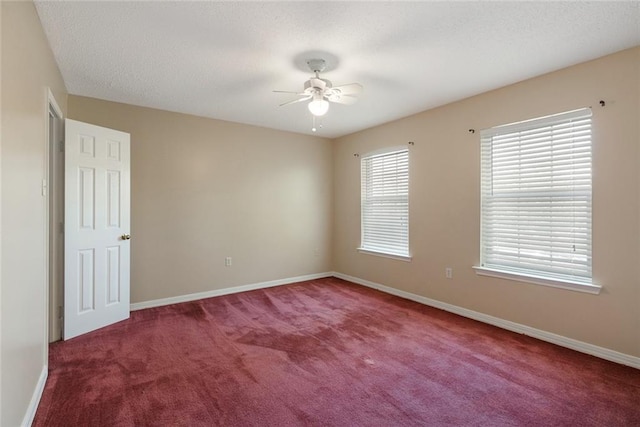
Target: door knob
(125, 236)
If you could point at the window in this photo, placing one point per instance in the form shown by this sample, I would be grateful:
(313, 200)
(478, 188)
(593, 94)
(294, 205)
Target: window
(536, 201)
(385, 204)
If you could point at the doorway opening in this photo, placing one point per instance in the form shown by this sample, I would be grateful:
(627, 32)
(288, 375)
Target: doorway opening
(55, 222)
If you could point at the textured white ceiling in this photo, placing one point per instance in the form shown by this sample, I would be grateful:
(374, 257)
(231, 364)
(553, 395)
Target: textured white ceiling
(223, 59)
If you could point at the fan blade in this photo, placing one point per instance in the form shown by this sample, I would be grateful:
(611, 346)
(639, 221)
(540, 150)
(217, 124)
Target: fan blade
(342, 99)
(289, 91)
(349, 89)
(297, 100)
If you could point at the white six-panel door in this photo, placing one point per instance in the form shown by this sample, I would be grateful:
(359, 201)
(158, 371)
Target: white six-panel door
(97, 227)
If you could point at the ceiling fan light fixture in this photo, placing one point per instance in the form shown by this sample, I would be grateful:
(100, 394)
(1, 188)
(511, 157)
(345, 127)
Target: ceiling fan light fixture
(320, 92)
(318, 107)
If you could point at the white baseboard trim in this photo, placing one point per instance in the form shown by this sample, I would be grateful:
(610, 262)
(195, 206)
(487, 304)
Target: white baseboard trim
(35, 398)
(594, 350)
(225, 291)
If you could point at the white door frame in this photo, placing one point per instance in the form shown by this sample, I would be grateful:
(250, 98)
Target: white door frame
(53, 190)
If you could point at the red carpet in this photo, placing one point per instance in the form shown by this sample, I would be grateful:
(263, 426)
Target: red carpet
(326, 353)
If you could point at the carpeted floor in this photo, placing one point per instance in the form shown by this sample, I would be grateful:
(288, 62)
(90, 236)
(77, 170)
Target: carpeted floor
(325, 353)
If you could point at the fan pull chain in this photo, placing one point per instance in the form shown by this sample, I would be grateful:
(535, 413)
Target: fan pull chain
(313, 126)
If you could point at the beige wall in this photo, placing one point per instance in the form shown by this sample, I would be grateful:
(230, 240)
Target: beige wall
(445, 199)
(0, 214)
(28, 69)
(204, 189)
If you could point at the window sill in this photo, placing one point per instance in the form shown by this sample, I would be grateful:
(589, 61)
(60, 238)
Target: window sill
(538, 280)
(404, 258)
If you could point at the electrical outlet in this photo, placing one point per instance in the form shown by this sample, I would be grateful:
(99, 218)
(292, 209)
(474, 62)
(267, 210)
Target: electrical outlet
(227, 261)
(448, 272)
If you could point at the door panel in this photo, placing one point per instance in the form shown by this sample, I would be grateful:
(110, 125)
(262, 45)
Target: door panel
(97, 225)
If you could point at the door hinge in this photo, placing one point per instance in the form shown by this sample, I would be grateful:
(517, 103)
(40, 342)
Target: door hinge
(61, 227)
(61, 146)
(60, 315)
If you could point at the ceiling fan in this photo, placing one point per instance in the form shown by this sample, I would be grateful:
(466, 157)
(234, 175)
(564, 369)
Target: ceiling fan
(321, 92)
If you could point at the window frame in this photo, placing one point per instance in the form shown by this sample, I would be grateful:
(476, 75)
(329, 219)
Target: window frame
(366, 247)
(548, 275)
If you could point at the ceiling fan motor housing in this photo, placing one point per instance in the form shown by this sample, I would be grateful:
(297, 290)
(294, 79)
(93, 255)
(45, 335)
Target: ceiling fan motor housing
(317, 84)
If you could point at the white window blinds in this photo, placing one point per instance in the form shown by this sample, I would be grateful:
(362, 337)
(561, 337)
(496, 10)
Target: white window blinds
(536, 197)
(385, 203)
